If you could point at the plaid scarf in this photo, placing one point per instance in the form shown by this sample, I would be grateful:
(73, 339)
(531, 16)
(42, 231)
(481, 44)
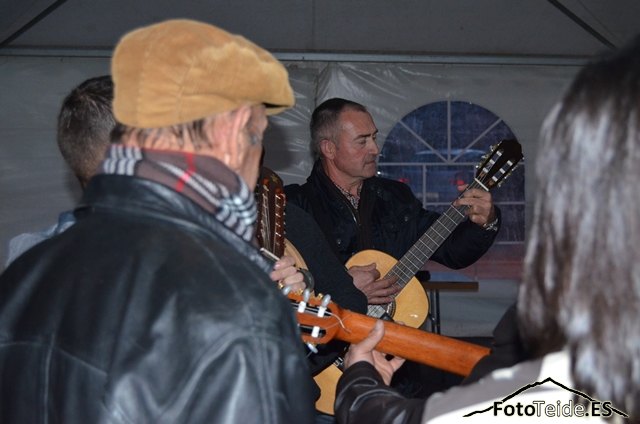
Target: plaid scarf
(203, 179)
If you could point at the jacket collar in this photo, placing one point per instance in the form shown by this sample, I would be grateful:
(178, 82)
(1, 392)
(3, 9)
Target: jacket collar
(120, 194)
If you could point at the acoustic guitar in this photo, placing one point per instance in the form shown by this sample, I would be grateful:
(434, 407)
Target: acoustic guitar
(411, 304)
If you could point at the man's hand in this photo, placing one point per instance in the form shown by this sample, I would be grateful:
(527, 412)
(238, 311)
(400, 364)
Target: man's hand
(378, 292)
(285, 273)
(364, 351)
(480, 202)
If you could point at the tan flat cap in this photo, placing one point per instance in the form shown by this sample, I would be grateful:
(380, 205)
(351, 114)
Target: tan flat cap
(182, 70)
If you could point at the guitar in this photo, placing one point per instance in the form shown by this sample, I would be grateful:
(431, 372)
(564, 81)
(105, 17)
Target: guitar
(411, 304)
(270, 226)
(320, 321)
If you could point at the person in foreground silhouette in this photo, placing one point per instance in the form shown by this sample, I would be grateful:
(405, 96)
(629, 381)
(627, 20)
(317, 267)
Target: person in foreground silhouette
(156, 306)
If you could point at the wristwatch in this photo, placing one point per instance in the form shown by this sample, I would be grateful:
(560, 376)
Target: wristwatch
(491, 226)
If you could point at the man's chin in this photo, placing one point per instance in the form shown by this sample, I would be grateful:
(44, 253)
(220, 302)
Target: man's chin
(370, 172)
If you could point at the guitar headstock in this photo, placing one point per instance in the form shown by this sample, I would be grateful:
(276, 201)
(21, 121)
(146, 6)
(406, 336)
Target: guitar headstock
(499, 163)
(271, 200)
(317, 316)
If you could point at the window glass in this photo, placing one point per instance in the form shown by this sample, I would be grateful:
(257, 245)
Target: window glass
(436, 147)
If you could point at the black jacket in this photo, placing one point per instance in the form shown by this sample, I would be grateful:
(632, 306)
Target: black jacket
(389, 219)
(329, 274)
(147, 310)
(362, 397)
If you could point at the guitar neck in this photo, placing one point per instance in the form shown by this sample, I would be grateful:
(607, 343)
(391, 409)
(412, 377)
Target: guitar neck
(441, 352)
(429, 242)
(498, 164)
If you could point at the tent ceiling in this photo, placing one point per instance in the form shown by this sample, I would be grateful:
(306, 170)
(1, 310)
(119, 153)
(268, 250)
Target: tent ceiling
(424, 27)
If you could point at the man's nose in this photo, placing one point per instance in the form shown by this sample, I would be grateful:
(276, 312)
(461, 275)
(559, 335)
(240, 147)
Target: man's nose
(373, 147)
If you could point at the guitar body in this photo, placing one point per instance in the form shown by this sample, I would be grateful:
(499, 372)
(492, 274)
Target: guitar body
(327, 380)
(411, 304)
(411, 308)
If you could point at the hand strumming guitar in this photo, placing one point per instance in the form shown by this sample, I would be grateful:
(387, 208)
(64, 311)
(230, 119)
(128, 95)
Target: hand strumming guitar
(378, 291)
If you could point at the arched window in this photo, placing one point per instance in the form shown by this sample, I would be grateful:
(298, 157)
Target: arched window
(436, 147)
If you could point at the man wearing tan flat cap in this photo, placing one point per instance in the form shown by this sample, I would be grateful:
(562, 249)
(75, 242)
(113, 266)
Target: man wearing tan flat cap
(156, 306)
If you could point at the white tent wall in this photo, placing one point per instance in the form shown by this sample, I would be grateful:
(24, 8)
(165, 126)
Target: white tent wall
(286, 140)
(35, 184)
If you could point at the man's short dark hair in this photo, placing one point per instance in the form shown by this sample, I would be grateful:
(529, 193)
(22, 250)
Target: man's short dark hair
(85, 122)
(324, 118)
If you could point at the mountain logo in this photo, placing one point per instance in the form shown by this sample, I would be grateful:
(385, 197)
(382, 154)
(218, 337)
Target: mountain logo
(542, 408)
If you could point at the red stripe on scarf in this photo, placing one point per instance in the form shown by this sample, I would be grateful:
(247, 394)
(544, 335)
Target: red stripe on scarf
(186, 175)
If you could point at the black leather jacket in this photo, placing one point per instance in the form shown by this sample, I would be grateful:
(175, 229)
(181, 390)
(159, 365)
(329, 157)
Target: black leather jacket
(147, 310)
(389, 219)
(362, 397)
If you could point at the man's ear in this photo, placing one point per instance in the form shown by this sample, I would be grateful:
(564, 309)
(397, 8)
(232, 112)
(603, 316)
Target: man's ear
(233, 137)
(328, 148)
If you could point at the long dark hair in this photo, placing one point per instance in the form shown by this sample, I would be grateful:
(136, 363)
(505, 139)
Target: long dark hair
(581, 285)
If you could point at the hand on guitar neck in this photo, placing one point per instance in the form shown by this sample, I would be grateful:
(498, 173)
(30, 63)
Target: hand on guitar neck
(365, 351)
(286, 274)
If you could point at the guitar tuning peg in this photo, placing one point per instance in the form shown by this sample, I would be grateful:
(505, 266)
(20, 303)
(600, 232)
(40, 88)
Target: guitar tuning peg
(326, 300)
(306, 295)
(302, 306)
(286, 290)
(312, 347)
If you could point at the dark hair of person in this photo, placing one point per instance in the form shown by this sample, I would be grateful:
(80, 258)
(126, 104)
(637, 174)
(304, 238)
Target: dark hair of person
(324, 120)
(581, 285)
(85, 122)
